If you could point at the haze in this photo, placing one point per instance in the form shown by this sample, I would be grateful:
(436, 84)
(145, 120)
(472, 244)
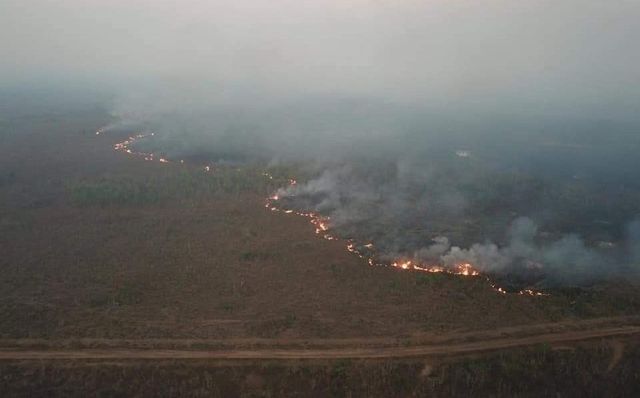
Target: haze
(496, 56)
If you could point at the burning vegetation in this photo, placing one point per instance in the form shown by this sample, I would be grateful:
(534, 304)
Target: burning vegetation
(526, 262)
(365, 251)
(368, 253)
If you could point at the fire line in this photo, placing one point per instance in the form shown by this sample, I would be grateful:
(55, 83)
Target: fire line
(322, 229)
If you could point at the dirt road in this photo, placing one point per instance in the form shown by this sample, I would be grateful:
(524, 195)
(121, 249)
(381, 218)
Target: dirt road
(423, 350)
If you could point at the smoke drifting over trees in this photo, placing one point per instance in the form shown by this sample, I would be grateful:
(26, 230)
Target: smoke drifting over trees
(450, 222)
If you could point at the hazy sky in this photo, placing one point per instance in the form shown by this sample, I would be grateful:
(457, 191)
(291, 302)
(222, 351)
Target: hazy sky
(578, 55)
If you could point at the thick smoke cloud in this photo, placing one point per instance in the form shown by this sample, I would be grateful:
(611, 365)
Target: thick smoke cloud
(404, 215)
(564, 261)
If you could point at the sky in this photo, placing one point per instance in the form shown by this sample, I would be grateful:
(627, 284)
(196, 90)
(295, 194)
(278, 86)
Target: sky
(573, 56)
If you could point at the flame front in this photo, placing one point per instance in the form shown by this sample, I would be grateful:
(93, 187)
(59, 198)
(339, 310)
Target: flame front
(322, 226)
(465, 269)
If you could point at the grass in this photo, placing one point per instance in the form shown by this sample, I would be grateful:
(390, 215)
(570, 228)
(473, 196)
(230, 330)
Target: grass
(175, 185)
(582, 371)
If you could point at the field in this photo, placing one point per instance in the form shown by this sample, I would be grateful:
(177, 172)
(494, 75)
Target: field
(583, 370)
(101, 249)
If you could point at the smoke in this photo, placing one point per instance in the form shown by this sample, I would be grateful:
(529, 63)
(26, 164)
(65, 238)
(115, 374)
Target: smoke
(410, 215)
(576, 56)
(185, 57)
(434, 251)
(564, 261)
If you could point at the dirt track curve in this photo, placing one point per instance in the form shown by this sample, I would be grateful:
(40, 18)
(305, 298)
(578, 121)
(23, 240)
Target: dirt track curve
(422, 350)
